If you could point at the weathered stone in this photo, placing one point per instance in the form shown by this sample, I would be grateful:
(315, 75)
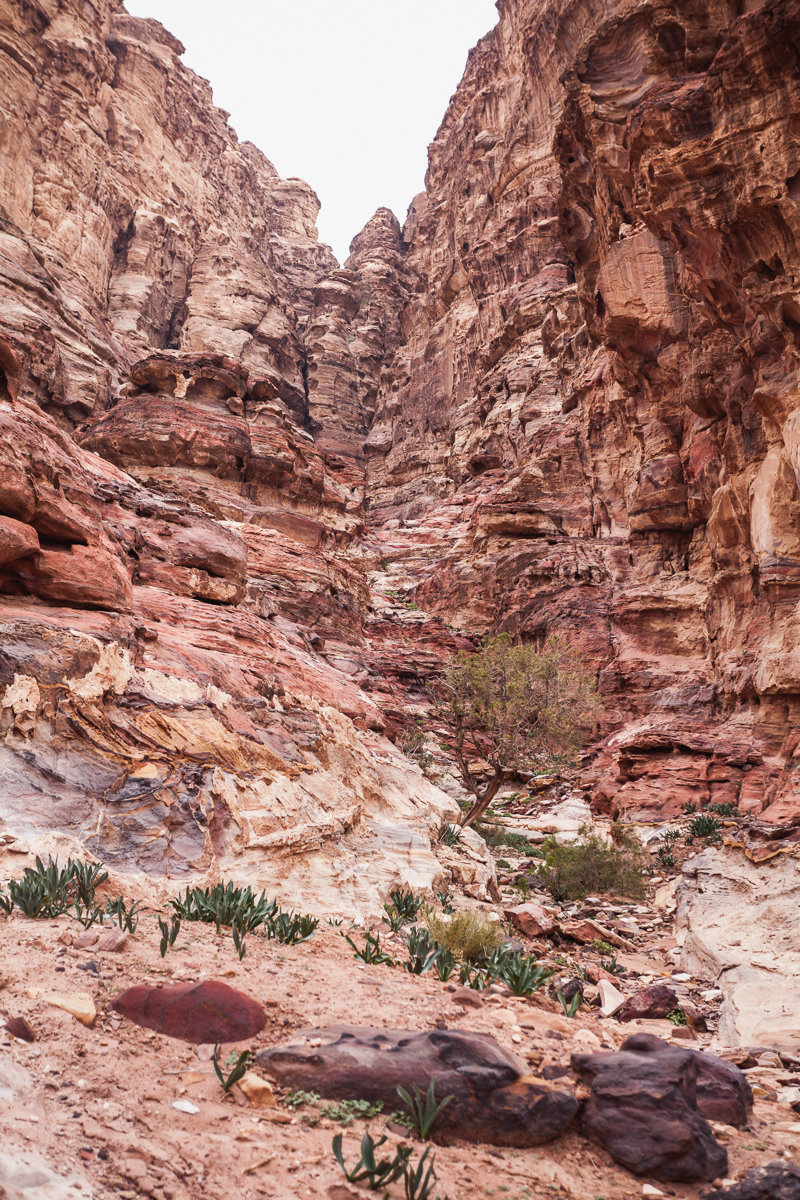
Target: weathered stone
(642, 1109)
(78, 1004)
(722, 1091)
(195, 1012)
(654, 1001)
(492, 1101)
(112, 941)
(257, 1090)
(18, 1027)
(531, 919)
(778, 1180)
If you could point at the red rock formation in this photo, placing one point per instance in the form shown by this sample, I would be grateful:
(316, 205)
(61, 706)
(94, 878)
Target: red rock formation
(618, 450)
(242, 489)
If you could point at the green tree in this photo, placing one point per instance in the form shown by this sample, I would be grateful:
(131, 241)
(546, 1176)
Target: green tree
(515, 707)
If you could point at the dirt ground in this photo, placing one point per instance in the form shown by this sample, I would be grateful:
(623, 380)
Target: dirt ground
(96, 1104)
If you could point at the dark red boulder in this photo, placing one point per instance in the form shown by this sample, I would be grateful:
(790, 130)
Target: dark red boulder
(722, 1091)
(195, 1012)
(777, 1180)
(642, 1109)
(651, 1002)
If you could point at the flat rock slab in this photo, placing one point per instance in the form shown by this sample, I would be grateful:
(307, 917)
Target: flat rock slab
(642, 1109)
(492, 1100)
(201, 1013)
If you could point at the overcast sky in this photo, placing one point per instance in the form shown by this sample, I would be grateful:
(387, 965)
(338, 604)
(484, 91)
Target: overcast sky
(346, 94)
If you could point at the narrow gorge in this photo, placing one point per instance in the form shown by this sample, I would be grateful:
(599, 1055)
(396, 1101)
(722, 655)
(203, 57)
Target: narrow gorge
(252, 501)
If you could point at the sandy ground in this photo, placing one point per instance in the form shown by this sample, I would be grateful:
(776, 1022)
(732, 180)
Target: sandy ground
(95, 1104)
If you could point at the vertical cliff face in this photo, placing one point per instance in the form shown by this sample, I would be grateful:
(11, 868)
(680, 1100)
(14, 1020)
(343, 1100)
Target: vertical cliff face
(562, 398)
(187, 381)
(597, 384)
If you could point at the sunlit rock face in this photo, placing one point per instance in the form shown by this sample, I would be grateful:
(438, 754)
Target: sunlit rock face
(563, 397)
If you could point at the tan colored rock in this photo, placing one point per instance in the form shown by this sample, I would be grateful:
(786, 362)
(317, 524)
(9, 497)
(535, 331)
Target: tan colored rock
(257, 1090)
(78, 1004)
(112, 941)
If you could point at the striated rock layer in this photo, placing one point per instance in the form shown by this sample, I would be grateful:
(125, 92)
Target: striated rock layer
(248, 498)
(597, 389)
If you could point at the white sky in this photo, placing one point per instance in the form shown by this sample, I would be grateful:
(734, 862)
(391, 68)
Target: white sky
(345, 94)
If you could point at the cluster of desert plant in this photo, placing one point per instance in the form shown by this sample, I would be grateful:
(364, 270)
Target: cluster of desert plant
(45, 892)
(238, 909)
(467, 943)
(423, 1111)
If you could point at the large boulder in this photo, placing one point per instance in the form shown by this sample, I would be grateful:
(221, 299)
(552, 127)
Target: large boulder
(722, 1091)
(201, 1013)
(492, 1101)
(642, 1109)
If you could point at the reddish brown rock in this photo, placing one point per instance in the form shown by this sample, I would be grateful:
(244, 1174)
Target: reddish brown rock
(722, 1091)
(655, 1001)
(492, 1099)
(643, 1110)
(202, 1013)
(531, 919)
(18, 1027)
(17, 540)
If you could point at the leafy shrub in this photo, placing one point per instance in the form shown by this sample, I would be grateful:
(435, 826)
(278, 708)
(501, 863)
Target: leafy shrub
(574, 871)
(445, 964)
(378, 1174)
(413, 742)
(522, 975)
(238, 908)
(450, 835)
(419, 1183)
(666, 859)
(48, 891)
(393, 918)
(725, 810)
(168, 933)
(372, 952)
(127, 918)
(291, 928)
(445, 898)
(423, 952)
(468, 936)
(707, 829)
(677, 1017)
(406, 903)
(345, 1112)
(239, 1067)
(425, 1111)
(570, 1007)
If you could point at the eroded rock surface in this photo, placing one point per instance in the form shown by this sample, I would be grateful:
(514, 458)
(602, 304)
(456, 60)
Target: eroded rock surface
(250, 499)
(492, 1101)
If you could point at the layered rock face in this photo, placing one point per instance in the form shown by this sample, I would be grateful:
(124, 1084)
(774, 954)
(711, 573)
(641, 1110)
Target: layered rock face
(597, 388)
(562, 398)
(187, 382)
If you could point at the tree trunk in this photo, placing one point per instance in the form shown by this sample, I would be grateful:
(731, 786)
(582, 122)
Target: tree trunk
(481, 802)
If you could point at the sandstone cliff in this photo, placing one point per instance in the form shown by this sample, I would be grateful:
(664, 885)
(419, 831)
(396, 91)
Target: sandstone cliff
(562, 397)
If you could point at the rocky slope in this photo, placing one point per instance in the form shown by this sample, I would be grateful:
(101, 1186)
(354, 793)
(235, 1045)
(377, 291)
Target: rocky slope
(249, 498)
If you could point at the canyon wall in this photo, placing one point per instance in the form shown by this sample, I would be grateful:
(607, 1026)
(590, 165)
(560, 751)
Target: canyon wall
(251, 499)
(597, 391)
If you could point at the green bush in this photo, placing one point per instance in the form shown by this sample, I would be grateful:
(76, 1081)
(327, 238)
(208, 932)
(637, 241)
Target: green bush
(591, 865)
